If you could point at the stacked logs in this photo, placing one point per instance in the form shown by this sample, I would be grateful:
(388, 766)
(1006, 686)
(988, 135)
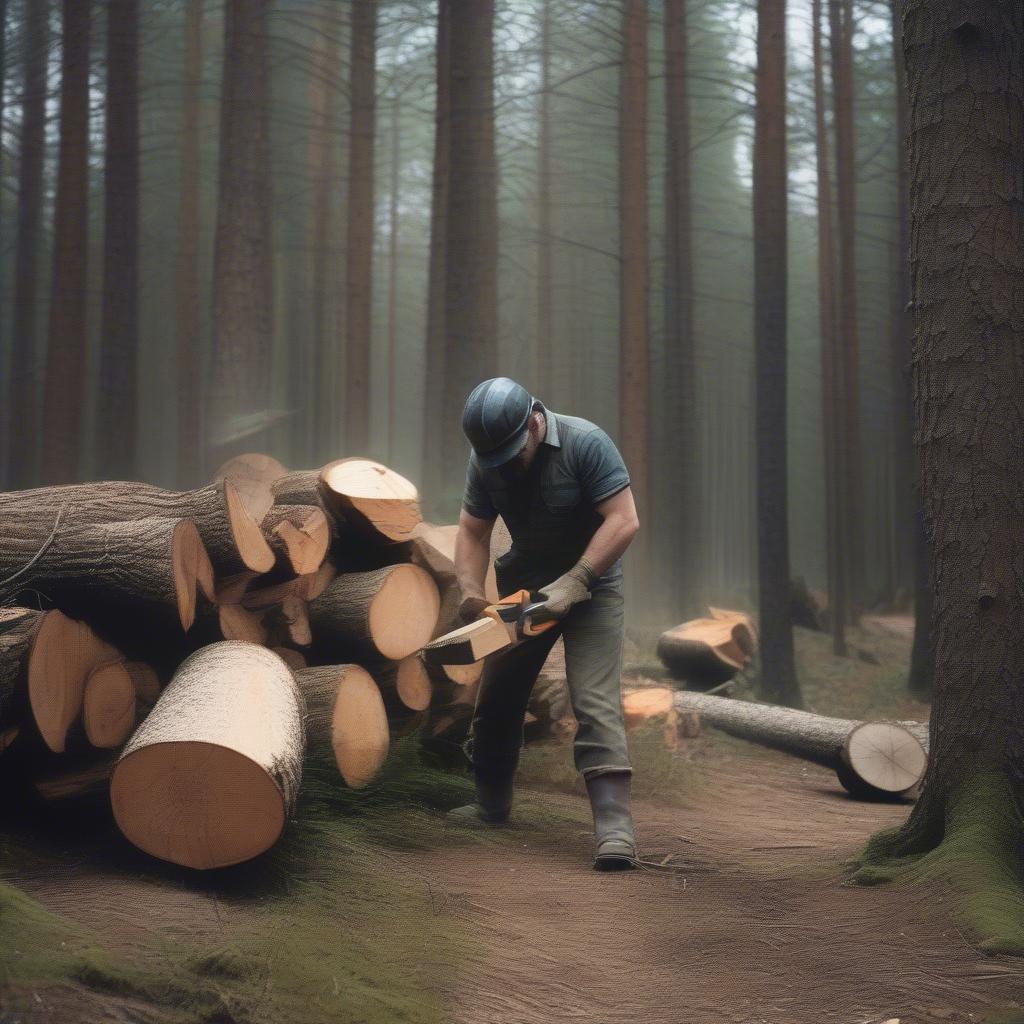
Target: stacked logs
(182, 650)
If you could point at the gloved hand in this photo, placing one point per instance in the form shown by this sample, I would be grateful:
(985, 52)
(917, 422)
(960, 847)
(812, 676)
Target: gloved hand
(472, 607)
(569, 589)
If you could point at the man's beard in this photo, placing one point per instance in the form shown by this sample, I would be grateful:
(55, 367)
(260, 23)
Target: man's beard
(513, 471)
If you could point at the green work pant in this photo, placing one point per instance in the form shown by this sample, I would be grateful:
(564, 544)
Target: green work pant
(593, 634)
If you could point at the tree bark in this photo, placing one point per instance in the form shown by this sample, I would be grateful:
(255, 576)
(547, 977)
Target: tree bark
(431, 473)
(965, 85)
(831, 378)
(117, 419)
(682, 568)
(189, 377)
(359, 261)
(634, 386)
(779, 683)
(544, 343)
(841, 41)
(471, 223)
(242, 310)
(22, 429)
(65, 354)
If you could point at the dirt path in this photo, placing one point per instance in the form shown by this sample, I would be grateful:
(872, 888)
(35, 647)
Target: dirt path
(747, 921)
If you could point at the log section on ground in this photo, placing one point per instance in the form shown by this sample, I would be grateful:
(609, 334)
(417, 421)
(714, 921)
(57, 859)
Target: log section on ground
(656, 704)
(232, 538)
(389, 612)
(345, 714)
(405, 683)
(869, 758)
(210, 777)
(299, 536)
(61, 655)
(253, 475)
(707, 651)
(145, 570)
(372, 498)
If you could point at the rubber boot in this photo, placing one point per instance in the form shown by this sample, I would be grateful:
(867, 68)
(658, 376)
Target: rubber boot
(493, 795)
(614, 839)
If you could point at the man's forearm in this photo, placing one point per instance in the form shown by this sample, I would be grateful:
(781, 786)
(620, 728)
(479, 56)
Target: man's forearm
(612, 538)
(471, 558)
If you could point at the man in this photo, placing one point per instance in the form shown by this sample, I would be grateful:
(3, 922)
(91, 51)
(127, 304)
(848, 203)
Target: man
(561, 487)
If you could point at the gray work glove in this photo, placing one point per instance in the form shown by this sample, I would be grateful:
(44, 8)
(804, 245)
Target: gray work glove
(472, 607)
(566, 591)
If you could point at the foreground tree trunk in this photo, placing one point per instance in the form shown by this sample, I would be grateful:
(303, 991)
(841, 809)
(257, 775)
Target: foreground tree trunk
(965, 82)
(119, 335)
(65, 355)
(21, 434)
(778, 670)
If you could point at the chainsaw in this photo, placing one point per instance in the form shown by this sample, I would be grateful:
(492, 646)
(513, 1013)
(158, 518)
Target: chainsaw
(503, 624)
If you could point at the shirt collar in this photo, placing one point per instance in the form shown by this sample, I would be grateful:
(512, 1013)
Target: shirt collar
(551, 433)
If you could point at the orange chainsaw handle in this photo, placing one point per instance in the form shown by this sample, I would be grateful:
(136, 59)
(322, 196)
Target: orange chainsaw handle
(514, 611)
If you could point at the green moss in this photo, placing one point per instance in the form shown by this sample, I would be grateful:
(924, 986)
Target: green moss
(969, 843)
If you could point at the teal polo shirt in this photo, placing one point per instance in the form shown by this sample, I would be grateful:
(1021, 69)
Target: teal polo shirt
(551, 513)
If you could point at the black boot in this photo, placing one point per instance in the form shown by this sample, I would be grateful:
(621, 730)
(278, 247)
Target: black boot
(493, 795)
(614, 839)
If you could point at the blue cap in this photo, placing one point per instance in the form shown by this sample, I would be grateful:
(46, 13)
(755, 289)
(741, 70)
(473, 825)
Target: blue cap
(496, 420)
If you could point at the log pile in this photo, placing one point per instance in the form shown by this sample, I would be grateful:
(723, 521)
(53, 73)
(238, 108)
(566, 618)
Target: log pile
(179, 652)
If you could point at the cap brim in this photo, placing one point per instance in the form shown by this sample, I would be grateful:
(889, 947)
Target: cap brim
(505, 453)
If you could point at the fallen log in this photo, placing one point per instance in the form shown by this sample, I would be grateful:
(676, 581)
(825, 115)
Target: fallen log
(232, 538)
(389, 612)
(252, 476)
(211, 776)
(133, 573)
(406, 682)
(869, 758)
(109, 705)
(372, 498)
(707, 651)
(345, 714)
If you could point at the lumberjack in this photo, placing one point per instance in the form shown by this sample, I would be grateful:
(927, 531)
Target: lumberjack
(562, 488)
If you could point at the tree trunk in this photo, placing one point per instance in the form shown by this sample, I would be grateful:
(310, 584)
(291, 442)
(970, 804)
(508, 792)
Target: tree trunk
(359, 249)
(841, 41)
(189, 377)
(682, 568)
(544, 343)
(22, 430)
(471, 244)
(831, 378)
(634, 411)
(240, 389)
(393, 199)
(116, 409)
(779, 683)
(65, 354)
(431, 472)
(965, 86)
(212, 774)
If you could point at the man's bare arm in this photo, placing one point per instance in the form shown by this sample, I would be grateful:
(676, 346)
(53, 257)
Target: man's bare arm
(472, 553)
(614, 535)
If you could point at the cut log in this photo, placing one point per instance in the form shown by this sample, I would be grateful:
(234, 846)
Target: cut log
(211, 776)
(147, 686)
(464, 675)
(707, 651)
(405, 682)
(345, 714)
(238, 623)
(655, 704)
(252, 476)
(78, 782)
(306, 587)
(108, 706)
(232, 538)
(372, 498)
(389, 612)
(869, 758)
(141, 570)
(288, 622)
(232, 589)
(299, 536)
(18, 628)
(63, 654)
(303, 487)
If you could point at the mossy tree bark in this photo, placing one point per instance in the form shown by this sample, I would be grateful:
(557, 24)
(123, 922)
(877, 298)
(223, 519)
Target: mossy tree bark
(965, 79)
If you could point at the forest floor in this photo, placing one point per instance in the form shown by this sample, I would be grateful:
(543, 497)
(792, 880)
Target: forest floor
(739, 912)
